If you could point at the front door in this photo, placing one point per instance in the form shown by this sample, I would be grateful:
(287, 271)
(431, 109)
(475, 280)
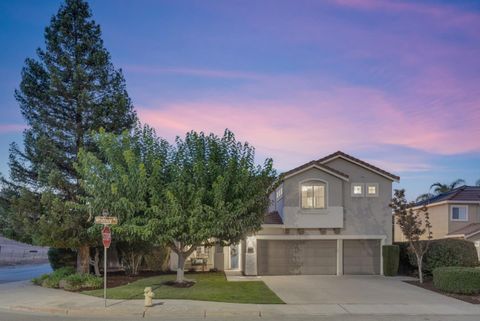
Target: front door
(234, 257)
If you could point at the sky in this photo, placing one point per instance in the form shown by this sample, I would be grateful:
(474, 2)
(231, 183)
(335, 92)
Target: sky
(394, 83)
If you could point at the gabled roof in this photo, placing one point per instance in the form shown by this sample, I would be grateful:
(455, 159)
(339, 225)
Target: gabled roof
(466, 231)
(314, 164)
(460, 194)
(340, 154)
(272, 218)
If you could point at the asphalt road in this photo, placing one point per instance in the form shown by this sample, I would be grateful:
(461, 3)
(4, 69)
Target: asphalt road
(9, 316)
(22, 272)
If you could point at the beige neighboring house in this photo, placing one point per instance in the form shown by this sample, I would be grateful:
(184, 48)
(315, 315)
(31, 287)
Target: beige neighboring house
(454, 214)
(328, 216)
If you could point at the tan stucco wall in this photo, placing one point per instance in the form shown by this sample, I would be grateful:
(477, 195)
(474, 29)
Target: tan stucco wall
(473, 216)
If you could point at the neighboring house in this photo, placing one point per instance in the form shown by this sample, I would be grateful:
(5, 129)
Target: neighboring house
(328, 216)
(454, 214)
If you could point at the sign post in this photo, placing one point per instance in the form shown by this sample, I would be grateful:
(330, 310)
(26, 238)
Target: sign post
(107, 240)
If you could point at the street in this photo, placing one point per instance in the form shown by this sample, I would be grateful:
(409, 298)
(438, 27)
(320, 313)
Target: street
(9, 316)
(22, 272)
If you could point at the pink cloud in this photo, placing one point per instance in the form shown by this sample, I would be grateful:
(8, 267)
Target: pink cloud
(11, 128)
(312, 124)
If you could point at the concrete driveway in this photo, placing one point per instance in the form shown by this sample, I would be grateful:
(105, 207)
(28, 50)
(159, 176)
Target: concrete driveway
(326, 289)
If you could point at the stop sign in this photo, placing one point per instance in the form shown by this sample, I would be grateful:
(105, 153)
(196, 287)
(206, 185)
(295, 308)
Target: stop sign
(106, 236)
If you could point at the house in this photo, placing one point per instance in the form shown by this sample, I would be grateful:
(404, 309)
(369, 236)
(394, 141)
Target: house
(454, 214)
(328, 216)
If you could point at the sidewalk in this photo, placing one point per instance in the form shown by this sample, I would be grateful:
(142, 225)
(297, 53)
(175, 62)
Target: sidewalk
(23, 296)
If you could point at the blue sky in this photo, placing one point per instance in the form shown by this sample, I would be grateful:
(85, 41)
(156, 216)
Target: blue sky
(392, 82)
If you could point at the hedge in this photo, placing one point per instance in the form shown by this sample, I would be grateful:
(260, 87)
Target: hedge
(441, 253)
(462, 280)
(390, 259)
(60, 258)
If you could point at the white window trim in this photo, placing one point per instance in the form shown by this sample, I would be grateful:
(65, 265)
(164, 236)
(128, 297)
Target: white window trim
(300, 195)
(357, 195)
(376, 190)
(276, 193)
(459, 220)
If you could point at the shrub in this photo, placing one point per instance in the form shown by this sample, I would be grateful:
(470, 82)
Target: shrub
(157, 259)
(53, 279)
(390, 259)
(40, 279)
(463, 280)
(441, 253)
(405, 267)
(79, 281)
(59, 258)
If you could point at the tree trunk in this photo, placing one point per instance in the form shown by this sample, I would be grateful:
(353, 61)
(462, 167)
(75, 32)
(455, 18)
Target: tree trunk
(83, 259)
(181, 268)
(420, 272)
(96, 262)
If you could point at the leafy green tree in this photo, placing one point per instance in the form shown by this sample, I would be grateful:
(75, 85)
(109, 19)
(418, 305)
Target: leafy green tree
(122, 177)
(70, 90)
(477, 183)
(414, 223)
(203, 190)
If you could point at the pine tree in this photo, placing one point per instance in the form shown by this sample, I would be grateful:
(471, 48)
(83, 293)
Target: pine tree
(70, 90)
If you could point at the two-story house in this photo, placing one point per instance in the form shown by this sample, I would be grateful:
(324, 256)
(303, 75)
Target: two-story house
(328, 216)
(454, 214)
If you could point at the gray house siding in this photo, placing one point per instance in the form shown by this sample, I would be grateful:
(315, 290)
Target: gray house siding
(365, 215)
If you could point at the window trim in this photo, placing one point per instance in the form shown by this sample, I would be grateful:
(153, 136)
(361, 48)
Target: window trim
(325, 184)
(280, 188)
(352, 189)
(376, 189)
(459, 220)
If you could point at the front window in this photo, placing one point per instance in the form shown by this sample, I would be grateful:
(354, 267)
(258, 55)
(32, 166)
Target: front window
(372, 189)
(279, 193)
(459, 213)
(313, 195)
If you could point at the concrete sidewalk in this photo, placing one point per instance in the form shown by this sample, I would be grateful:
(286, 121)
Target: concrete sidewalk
(23, 296)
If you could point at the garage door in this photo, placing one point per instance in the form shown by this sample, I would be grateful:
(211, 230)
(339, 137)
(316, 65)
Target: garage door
(280, 257)
(361, 257)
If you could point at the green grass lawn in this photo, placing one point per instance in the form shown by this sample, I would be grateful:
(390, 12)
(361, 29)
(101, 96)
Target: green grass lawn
(209, 287)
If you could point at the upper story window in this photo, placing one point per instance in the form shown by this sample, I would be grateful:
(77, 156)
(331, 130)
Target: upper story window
(279, 193)
(372, 189)
(313, 195)
(459, 213)
(357, 189)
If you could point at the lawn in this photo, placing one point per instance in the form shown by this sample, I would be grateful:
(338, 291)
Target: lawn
(211, 286)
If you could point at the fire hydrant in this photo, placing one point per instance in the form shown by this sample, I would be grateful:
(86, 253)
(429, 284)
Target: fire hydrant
(148, 293)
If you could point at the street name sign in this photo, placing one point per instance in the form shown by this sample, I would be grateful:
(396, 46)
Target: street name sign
(106, 220)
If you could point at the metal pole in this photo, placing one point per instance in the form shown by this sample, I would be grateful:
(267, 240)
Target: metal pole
(105, 275)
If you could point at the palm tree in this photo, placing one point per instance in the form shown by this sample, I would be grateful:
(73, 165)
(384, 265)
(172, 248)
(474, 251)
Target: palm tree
(439, 188)
(424, 197)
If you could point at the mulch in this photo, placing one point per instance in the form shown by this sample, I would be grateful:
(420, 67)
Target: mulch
(428, 285)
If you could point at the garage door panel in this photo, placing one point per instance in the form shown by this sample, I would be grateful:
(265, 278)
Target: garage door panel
(281, 257)
(361, 256)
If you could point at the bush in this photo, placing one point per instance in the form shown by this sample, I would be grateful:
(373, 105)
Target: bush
(441, 253)
(405, 267)
(156, 260)
(40, 279)
(391, 257)
(53, 279)
(79, 281)
(59, 258)
(462, 280)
